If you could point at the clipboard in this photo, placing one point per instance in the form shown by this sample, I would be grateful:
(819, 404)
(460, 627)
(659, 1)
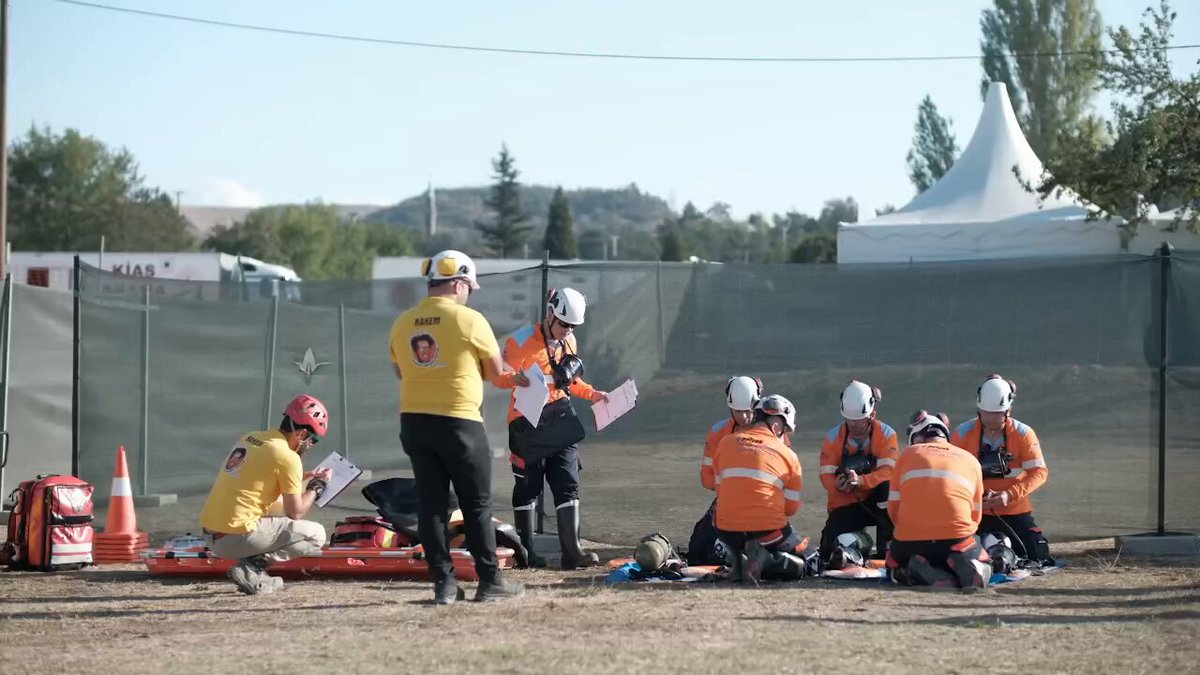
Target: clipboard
(344, 473)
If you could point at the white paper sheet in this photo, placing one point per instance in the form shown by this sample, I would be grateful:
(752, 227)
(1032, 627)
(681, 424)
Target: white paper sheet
(530, 400)
(620, 401)
(344, 473)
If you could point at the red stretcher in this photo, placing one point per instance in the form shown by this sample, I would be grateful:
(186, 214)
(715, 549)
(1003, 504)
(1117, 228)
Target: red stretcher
(332, 561)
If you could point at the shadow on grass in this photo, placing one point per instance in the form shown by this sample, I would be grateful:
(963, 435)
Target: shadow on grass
(990, 621)
(134, 613)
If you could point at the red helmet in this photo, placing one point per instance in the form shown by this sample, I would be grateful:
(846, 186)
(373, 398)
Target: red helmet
(305, 410)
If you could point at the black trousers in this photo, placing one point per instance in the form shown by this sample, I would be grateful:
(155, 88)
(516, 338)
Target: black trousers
(1031, 543)
(783, 540)
(447, 450)
(855, 517)
(560, 470)
(935, 551)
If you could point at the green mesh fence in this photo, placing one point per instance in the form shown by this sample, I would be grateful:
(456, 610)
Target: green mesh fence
(1081, 338)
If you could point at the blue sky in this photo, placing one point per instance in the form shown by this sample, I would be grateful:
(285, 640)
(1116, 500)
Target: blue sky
(244, 118)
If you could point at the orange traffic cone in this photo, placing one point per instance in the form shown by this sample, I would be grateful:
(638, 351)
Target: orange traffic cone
(121, 541)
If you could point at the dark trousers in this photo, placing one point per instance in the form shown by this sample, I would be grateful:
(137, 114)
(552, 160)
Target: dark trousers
(560, 470)
(447, 450)
(783, 540)
(855, 517)
(935, 551)
(1031, 544)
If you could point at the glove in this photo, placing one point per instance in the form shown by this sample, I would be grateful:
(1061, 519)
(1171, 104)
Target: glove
(317, 485)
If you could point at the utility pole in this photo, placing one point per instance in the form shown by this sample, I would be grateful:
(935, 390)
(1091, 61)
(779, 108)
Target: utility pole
(3, 135)
(178, 209)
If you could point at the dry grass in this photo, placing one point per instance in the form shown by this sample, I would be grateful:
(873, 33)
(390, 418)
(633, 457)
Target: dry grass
(1103, 613)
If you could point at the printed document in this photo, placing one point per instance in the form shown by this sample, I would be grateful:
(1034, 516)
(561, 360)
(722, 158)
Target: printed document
(620, 401)
(530, 400)
(344, 473)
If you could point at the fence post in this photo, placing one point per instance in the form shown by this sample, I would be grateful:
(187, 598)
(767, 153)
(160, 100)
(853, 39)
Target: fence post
(661, 329)
(344, 379)
(4, 363)
(145, 431)
(1164, 291)
(541, 500)
(77, 354)
(271, 363)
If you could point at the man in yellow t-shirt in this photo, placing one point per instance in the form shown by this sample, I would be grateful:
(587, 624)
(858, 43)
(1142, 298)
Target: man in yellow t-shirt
(441, 351)
(264, 467)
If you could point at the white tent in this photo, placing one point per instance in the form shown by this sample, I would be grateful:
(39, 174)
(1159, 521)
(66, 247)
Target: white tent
(1151, 235)
(980, 209)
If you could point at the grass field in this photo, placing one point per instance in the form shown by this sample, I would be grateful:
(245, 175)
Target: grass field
(1103, 613)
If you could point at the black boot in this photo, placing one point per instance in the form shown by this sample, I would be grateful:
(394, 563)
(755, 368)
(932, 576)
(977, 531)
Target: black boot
(446, 591)
(498, 588)
(525, 519)
(573, 555)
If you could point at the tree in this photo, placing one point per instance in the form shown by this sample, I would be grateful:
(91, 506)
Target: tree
(312, 239)
(507, 236)
(934, 147)
(560, 229)
(1050, 93)
(884, 210)
(816, 248)
(1150, 153)
(671, 245)
(66, 191)
(837, 211)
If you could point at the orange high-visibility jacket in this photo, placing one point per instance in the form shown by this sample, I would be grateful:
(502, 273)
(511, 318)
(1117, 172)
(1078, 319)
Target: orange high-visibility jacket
(883, 446)
(528, 346)
(758, 481)
(936, 493)
(720, 430)
(1027, 471)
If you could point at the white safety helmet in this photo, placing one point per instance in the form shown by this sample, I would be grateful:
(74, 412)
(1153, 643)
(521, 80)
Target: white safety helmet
(925, 422)
(858, 400)
(996, 394)
(450, 264)
(742, 393)
(567, 305)
(778, 405)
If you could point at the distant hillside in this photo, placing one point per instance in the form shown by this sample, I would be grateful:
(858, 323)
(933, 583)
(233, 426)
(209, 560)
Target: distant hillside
(204, 218)
(594, 209)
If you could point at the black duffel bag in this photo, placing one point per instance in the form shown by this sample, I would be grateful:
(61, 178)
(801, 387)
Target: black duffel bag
(558, 428)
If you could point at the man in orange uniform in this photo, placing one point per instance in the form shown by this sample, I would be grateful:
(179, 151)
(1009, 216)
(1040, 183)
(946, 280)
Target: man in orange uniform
(758, 487)
(551, 346)
(741, 395)
(935, 504)
(857, 459)
(1013, 467)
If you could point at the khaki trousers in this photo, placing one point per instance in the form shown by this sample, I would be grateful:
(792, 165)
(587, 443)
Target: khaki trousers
(279, 539)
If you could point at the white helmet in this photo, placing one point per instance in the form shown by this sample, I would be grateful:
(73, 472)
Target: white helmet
(741, 392)
(567, 305)
(450, 264)
(778, 405)
(996, 394)
(927, 422)
(858, 400)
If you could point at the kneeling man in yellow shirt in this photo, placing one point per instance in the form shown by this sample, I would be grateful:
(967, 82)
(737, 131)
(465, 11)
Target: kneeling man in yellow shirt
(261, 469)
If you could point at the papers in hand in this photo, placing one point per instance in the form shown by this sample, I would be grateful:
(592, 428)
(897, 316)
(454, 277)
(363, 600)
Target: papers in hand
(620, 401)
(530, 400)
(344, 473)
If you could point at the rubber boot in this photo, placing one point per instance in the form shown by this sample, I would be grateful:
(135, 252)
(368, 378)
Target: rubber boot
(573, 555)
(525, 519)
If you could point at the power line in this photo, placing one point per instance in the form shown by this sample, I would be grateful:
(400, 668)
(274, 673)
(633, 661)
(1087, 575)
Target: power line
(587, 55)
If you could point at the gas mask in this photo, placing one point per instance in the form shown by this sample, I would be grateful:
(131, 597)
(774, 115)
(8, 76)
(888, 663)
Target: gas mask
(566, 370)
(995, 462)
(860, 463)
